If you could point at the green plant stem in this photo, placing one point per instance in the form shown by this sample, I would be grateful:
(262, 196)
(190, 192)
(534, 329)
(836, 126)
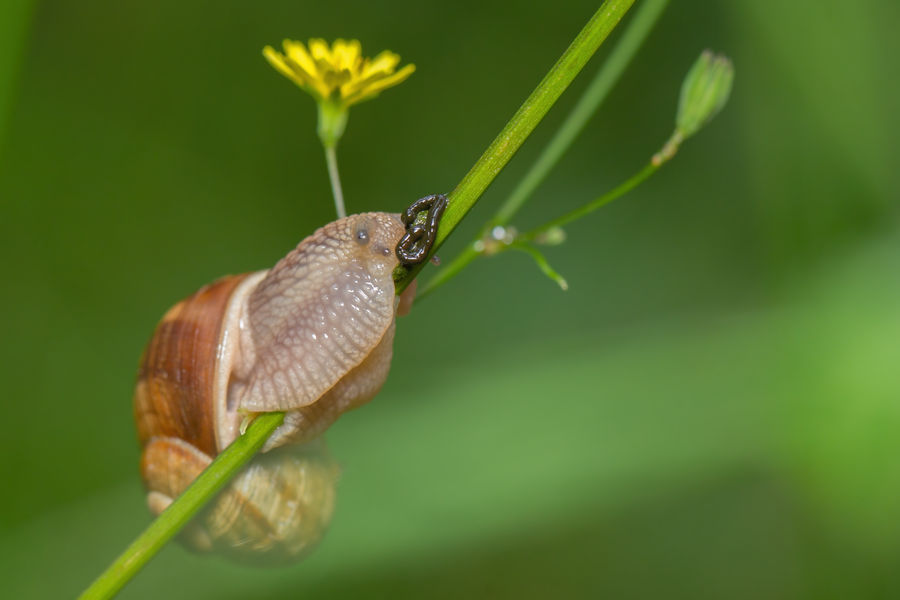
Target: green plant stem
(520, 126)
(645, 17)
(176, 516)
(470, 253)
(15, 19)
(620, 190)
(541, 263)
(450, 270)
(334, 176)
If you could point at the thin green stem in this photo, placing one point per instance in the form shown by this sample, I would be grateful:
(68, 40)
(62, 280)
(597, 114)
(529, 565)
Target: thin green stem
(176, 516)
(15, 19)
(522, 241)
(334, 176)
(609, 73)
(520, 126)
(590, 207)
(645, 17)
(450, 270)
(541, 263)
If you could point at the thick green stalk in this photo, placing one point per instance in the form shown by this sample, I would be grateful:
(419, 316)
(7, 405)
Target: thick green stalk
(648, 13)
(520, 126)
(177, 515)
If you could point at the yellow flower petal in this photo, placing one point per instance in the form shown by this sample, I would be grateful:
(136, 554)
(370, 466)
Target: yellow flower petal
(337, 73)
(290, 69)
(277, 60)
(347, 55)
(372, 89)
(297, 53)
(320, 51)
(385, 61)
(368, 77)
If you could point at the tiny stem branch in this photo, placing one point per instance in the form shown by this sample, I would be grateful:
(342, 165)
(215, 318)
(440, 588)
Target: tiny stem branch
(334, 176)
(520, 126)
(648, 13)
(620, 190)
(541, 263)
(177, 515)
(450, 270)
(643, 20)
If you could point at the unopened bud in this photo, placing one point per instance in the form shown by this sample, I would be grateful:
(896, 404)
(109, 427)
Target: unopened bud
(704, 92)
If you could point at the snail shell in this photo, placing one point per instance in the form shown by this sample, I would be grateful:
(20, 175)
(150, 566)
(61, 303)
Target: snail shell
(312, 336)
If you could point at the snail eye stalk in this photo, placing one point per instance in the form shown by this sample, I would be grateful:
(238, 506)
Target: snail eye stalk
(421, 218)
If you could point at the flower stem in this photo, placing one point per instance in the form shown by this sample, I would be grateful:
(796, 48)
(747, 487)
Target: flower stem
(470, 253)
(520, 126)
(646, 16)
(620, 190)
(334, 176)
(177, 515)
(541, 262)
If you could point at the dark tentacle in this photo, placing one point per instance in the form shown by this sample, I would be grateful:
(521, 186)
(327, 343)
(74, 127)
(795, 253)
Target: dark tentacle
(416, 243)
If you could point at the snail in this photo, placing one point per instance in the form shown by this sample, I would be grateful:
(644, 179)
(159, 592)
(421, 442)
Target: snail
(312, 337)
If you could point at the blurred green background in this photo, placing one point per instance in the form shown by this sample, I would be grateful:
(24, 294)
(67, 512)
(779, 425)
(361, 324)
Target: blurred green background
(711, 411)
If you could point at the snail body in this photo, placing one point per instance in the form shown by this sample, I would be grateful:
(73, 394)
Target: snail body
(313, 337)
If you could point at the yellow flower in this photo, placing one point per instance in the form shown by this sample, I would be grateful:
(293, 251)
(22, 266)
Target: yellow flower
(339, 74)
(337, 77)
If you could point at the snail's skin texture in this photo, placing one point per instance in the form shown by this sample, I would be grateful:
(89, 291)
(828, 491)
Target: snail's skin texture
(312, 336)
(318, 318)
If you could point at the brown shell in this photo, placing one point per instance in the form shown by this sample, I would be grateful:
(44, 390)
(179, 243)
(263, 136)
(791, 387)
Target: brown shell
(173, 396)
(274, 511)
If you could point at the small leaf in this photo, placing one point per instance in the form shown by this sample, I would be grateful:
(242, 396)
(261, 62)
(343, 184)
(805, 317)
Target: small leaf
(542, 263)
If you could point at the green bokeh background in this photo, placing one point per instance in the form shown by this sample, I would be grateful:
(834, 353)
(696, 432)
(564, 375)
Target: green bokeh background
(711, 411)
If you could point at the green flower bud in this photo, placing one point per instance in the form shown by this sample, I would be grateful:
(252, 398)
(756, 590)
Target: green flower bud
(704, 92)
(552, 237)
